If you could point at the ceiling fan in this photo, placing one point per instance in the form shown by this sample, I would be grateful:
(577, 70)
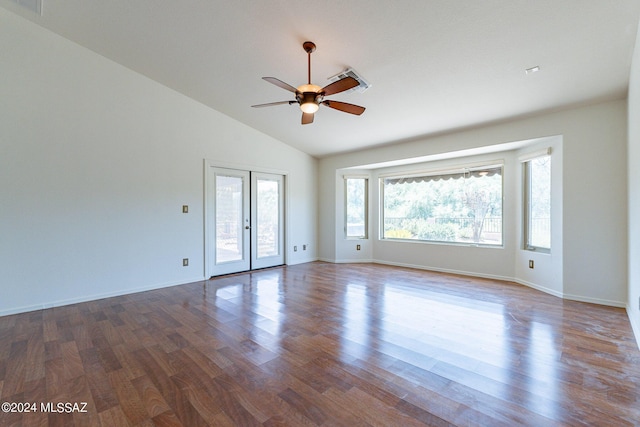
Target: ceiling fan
(310, 96)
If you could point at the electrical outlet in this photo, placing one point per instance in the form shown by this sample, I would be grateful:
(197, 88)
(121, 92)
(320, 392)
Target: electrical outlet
(530, 263)
(304, 247)
(185, 208)
(357, 247)
(185, 262)
(295, 249)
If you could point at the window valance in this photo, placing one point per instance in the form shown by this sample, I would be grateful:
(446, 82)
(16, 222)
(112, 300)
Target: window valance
(475, 173)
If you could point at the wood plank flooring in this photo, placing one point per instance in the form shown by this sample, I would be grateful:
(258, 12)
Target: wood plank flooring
(323, 344)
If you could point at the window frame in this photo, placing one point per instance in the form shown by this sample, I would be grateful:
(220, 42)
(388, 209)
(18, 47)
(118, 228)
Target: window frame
(456, 170)
(527, 199)
(365, 202)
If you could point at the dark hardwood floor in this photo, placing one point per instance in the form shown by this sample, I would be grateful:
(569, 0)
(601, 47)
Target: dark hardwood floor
(323, 344)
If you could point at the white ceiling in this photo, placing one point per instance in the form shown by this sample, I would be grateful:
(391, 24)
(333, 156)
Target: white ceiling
(434, 65)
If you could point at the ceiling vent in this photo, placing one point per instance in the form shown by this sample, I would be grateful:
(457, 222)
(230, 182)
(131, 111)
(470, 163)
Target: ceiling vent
(32, 5)
(350, 72)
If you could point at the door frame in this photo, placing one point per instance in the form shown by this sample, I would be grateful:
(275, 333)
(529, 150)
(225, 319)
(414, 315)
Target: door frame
(209, 165)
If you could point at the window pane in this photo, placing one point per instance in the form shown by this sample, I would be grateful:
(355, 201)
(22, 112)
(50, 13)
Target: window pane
(356, 207)
(539, 202)
(458, 208)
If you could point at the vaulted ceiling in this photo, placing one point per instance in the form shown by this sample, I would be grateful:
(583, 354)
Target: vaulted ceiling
(434, 65)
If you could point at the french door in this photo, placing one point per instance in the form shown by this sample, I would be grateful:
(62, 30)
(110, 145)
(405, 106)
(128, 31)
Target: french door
(245, 218)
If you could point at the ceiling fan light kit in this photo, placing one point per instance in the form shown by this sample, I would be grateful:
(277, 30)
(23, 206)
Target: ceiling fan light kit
(309, 96)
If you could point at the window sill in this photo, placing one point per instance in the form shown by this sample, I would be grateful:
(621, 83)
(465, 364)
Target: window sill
(437, 243)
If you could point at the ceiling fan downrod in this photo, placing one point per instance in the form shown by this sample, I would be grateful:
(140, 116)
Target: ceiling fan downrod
(309, 47)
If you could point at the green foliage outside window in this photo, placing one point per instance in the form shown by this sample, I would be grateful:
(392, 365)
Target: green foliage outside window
(460, 208)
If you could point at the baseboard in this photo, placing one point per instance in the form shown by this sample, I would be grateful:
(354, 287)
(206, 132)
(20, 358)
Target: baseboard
(445, 270)
(347, 261)
(635, 324)
(95, 297)
(303, 261)
(599, 301)
(354, 261)
(539, 288)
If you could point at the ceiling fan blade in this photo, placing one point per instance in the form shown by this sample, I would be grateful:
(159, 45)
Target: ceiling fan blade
(280, 83)
(340, 86)
(343, 106)
(307, 118)
(274, 103)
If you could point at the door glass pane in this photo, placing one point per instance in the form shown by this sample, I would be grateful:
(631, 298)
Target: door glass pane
(228, 218)
(268, 214)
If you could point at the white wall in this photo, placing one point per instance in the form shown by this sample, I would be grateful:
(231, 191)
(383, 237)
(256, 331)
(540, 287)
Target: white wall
(593, 261)
(634, 191)
(96, 162)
